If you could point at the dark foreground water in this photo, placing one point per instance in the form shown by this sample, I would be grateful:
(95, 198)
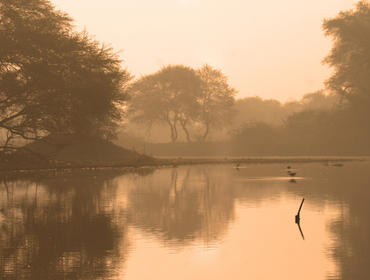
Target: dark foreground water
(191, 222)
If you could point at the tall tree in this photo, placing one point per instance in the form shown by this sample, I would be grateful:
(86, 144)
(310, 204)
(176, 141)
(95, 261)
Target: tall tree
(216, 100)
(350, 55)
(168, 96)
(350, 59)
(52, 79)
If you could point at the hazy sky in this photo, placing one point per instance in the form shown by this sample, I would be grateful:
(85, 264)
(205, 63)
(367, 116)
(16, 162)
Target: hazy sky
(270, 48)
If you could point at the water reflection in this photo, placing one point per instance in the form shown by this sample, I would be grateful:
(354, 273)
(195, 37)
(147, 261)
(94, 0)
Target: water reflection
(351, 249)
(190, 222)
(60, 228)
(300, 228)
(181, 207)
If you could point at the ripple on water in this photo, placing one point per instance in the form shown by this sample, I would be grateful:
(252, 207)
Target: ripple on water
(270, 178)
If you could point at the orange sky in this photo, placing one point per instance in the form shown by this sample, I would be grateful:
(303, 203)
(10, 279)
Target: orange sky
(268, 48)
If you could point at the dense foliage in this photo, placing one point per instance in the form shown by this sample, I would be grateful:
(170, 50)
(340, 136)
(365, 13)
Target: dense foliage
(350, 54)
(53, 79)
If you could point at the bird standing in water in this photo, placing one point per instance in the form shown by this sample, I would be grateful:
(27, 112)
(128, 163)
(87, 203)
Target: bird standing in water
(290, 172)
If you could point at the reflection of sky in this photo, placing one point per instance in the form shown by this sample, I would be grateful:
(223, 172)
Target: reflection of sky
(263, 243)
(195, 222)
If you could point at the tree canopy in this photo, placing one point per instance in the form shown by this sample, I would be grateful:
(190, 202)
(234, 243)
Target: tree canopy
(180, 96)
(350, 55)
(168, 96)
(216, 100)
(52, 78)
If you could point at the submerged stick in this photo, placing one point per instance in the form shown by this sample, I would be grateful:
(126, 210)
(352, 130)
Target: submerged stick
(300, 229)
(300, 207)
(298, 216)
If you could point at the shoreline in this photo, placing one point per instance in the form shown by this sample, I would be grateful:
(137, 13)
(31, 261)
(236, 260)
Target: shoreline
(69, 167)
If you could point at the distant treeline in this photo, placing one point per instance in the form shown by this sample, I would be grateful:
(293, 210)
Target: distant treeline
(335, 123)
(56, 80)
(343, 129)
(270, 111)
(248, 111)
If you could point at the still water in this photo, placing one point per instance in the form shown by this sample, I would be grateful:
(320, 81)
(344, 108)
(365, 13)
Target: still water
(190, 222)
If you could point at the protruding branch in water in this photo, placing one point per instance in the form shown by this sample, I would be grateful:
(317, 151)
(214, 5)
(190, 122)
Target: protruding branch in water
(298, 216)
(300, 229)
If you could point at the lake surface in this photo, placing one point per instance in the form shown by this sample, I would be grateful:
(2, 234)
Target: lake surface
(190, 222)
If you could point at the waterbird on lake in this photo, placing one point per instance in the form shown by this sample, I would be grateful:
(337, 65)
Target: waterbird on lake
(290, 168)
(291, 171)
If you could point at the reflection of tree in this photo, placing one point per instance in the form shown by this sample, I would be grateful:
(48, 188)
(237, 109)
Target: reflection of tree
(186, 204)
(60, 228)
(348, 189)
(352, 247)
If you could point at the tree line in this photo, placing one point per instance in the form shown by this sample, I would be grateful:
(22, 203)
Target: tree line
(341, 129)
(56, 80)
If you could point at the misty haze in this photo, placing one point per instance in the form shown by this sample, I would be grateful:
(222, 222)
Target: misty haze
(184, 139)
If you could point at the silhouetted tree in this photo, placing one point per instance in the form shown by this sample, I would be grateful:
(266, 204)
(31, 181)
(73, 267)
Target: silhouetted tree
(216, 100)
(168, 96)
(179, 95)
(350, 55)
(349, 58)
(53, 79)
